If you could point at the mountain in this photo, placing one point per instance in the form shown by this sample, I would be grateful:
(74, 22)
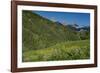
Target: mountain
(39, 32)
(86, 28)
(57, 22)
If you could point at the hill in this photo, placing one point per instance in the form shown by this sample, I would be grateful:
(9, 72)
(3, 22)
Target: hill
(46, 40)
(39, 32)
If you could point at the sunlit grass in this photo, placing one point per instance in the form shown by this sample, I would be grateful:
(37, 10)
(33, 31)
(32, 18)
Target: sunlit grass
(70, 50)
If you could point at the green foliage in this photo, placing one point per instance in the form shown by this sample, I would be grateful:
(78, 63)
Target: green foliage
(44, 40)
(39, 32)
(72, 50)
(84, 35)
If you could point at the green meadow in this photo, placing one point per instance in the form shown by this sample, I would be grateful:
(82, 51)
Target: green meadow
(72, 50)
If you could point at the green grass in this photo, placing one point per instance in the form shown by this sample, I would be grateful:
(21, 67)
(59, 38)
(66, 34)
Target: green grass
(70, 50)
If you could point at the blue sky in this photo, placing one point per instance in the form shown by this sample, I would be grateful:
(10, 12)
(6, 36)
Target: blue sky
(82, 19)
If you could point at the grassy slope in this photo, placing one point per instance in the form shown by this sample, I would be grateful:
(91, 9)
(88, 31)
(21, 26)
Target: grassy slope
(62, 51)
(44, 40)
(39, 32)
